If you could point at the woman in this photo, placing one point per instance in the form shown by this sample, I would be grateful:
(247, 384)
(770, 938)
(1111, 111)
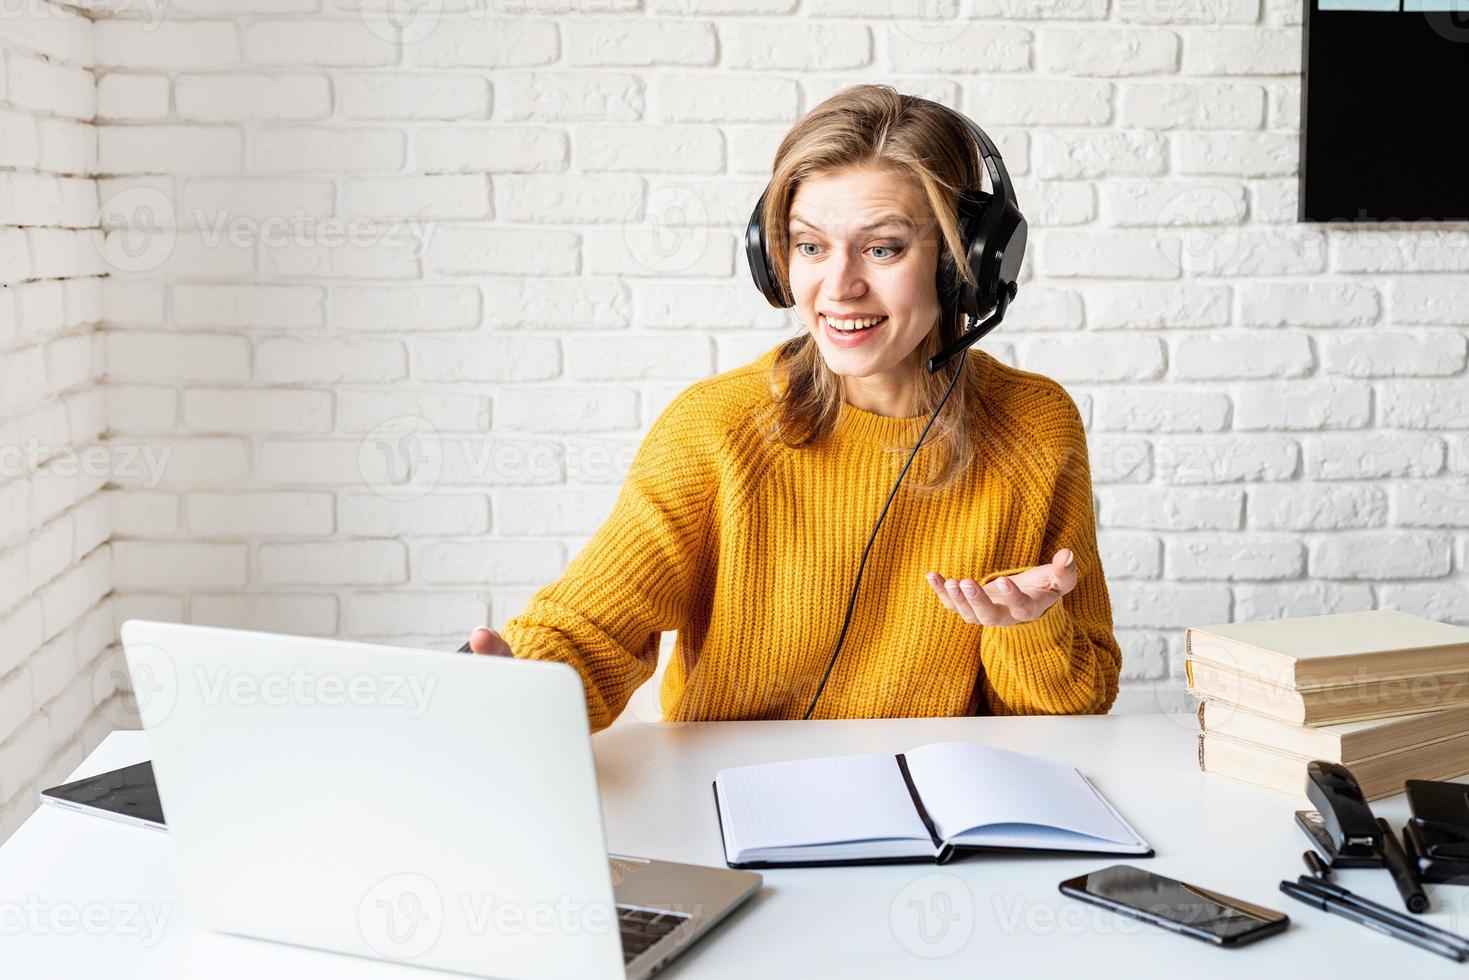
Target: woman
(746, 511)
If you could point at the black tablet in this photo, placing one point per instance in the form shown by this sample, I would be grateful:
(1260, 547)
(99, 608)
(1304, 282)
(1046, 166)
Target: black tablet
(128, 794)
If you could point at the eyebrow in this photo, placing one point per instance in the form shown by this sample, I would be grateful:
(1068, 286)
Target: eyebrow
(882, 222)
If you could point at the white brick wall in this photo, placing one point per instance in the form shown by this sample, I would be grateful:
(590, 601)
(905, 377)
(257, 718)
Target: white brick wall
(56, 615)
(494, 244)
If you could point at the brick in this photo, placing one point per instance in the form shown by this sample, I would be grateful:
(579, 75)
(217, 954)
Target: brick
(664, 149)
(1056, 202)
(1250, 50)
(623, 43)
(1302, 405)
(570, 198)
(1170, 508)
(1126, 555)
(255, 306)
(1132, 409)
(384, 613)
(568, 409)
(553, 303)
(1381, 555)
(327, 43)
(283, 361)
(369, 409)
(1175, 12)
(1316, 507)
(228, 410)
(1281, 304)
(1121, 306)
(445, 196)
(300, 615)
(1271, 600)
(1444, 602)
(553, 510)
(1238, 154)
(1423, 405)
(233, 98)
(480, 562)
(1085, 358)
(185, 565)
(1091, 155)
(1044, 102)
(381, 250)
(50, 87)
(658, 250)
(496, 359)
(725, 98)
(1440, 503)
(440, 513)
(168, 149)
(1106, 52)
(1395, 353)
(1172, 203)
(1118, 254)
(1166, 605)
(436, 96)
(166, 44)
(990, 48)
(308, 149)
(551, 96)
(491, 149)
(1433, 300)
(639, 359)
(174, 357)
(1203, 459)
(333, 563)
(132, 98)
(478, 251)
(486, 42)
(144, 514)
(214, 206)
(20, 144)
(1191, 105)
(406, 308)
(1372, 455)
(1234, 558)
(1241, 355)
(258, 514)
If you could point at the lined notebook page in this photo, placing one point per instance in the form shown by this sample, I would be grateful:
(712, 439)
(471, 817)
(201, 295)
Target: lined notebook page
(816, 801)
(966, 786)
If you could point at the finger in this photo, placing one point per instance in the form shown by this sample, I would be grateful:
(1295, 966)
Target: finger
(976, 605)
(487, 641)
(962, 608)
(1012, 598)
(936, 582)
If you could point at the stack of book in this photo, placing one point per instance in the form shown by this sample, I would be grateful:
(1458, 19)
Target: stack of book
(1382, 692)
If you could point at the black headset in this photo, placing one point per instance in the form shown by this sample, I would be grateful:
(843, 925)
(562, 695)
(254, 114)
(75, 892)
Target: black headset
(993, 235)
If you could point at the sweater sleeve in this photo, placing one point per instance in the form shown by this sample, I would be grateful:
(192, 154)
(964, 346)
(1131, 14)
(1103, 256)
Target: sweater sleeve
(636, 575)
(1066, 661)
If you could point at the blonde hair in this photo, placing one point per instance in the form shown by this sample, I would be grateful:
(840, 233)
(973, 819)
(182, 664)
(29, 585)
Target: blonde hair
(875, 126)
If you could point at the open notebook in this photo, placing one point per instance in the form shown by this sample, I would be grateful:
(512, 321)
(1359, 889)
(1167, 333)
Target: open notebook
(928, 804)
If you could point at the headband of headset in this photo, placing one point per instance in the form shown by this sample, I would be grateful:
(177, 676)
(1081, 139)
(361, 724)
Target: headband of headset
(992, 228)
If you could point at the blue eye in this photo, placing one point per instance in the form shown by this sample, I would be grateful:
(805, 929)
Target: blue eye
(801, 245)
(888, 248)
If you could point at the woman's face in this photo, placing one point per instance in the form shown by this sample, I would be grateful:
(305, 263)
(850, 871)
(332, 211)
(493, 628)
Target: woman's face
(864, 243)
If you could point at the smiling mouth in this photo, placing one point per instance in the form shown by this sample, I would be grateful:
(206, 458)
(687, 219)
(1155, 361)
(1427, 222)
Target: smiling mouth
(852, 326)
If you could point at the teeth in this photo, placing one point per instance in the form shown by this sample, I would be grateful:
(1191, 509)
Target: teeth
(850, 325)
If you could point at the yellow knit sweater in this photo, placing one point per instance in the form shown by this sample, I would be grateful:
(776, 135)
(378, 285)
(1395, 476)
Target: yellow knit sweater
(749, 549)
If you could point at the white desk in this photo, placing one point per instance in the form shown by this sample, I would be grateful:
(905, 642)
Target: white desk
(1006, 917)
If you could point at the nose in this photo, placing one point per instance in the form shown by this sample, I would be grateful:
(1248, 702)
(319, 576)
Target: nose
(844, 276)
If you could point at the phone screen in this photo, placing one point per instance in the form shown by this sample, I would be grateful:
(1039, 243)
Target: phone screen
(1198, 911)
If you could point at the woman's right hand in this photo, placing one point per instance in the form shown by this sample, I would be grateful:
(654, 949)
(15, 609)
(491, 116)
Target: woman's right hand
(488, 642)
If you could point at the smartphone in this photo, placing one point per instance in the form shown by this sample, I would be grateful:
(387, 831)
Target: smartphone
(1193, 911)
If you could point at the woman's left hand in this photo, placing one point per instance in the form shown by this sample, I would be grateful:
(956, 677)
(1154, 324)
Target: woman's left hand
(1009, 599)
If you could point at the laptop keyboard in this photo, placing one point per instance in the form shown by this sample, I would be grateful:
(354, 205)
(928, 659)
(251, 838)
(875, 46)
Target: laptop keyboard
(641, 928)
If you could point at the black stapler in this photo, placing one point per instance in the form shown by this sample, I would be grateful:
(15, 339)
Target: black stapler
(1437, 837)
(1341, 827)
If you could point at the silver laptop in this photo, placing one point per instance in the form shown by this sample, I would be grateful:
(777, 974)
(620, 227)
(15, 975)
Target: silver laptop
(421, 807)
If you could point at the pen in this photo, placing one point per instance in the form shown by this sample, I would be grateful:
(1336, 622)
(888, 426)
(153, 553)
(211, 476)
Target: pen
(463, 649)
(1403, 873)
(1315, 865)
(1327, 903)
(1330, 890)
